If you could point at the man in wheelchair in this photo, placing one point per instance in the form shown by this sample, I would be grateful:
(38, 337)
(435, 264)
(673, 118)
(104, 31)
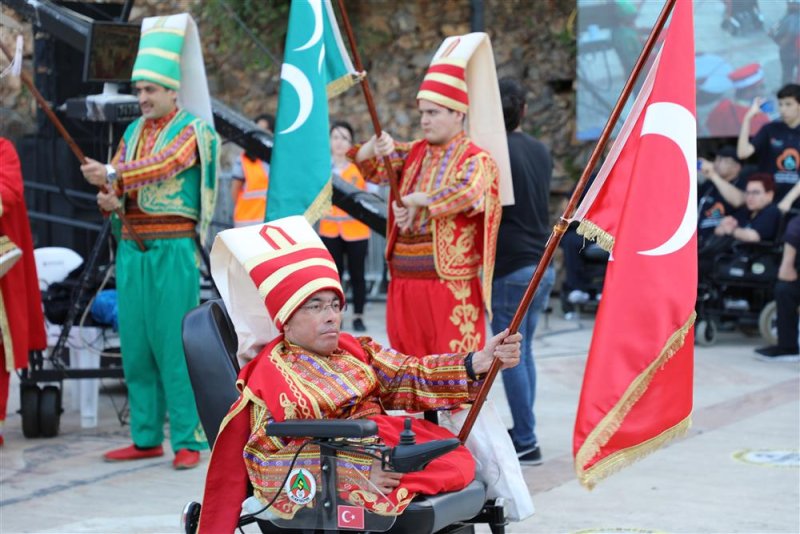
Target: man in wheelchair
(757, 221)
(311, 370)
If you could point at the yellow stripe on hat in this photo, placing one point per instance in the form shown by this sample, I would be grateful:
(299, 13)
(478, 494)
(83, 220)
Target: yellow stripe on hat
(272, 281)
(160, 52)
(145, 74)
(452, 81)
(254, 261)
(174, 31)
(302, 294)
(442, 100)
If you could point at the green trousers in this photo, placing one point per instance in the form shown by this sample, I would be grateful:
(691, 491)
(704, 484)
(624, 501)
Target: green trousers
(155, 289)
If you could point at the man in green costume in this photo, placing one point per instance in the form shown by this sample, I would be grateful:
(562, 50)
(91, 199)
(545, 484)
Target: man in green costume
(164, 179)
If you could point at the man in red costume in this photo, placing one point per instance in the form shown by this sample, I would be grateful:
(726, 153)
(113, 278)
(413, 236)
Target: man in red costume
(727, 116)
(21, 319)
(441, 243)
(311, 370)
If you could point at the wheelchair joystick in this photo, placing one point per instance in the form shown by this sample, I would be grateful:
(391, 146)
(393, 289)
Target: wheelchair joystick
(409, 456)
(407, 436)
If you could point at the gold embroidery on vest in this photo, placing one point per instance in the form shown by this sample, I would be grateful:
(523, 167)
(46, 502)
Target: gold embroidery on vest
(456, 256)
(464, 316)
(305, 410)
(289, 407)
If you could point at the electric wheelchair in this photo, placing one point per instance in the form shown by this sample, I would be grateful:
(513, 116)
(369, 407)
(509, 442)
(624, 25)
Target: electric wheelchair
(735, 286)
(210, 347)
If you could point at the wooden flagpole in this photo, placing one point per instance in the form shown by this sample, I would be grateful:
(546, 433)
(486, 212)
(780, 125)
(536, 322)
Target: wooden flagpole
(370, 102)
(70, 141)
(563, 223)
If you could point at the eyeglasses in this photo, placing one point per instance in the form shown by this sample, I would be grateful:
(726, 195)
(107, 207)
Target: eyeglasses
(315, 307)
(753, 193)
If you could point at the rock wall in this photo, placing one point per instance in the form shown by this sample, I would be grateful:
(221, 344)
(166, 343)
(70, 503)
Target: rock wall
(532, 40)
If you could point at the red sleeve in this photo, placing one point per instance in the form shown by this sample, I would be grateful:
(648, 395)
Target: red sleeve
(10, 177)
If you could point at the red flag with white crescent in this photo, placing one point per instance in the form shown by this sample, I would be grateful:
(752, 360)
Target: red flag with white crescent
(637, 387)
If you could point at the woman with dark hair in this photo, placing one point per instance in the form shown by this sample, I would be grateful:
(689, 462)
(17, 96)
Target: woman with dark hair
(342, 234)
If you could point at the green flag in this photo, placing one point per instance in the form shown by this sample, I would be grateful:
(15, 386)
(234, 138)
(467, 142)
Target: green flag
(315, 67)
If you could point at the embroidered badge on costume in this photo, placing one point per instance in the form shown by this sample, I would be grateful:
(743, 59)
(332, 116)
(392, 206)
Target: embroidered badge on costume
(301, 486)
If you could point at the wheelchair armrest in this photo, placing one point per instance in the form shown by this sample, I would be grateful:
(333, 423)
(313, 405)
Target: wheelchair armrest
(323, 428)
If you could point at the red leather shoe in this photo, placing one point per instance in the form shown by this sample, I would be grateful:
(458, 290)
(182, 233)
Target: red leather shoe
(132, 453)
(186, 459)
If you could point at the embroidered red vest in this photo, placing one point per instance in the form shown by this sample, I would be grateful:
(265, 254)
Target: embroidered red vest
(461, 244)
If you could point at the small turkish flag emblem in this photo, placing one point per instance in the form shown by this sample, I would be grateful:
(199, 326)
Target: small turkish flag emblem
(350, 516)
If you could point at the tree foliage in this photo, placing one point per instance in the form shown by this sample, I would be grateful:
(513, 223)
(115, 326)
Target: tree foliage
(255, 40)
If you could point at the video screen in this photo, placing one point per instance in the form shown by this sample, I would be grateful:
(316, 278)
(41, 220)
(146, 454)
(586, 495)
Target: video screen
(111, 52)
(743, 49)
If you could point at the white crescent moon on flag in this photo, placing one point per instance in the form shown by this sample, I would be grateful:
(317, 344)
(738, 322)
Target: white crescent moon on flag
(676, 123)
(347, 516)
(302, 86)
(316, 7)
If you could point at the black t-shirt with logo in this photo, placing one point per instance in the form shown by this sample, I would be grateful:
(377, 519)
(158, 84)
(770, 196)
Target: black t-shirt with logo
(778, 152)
(712, 207)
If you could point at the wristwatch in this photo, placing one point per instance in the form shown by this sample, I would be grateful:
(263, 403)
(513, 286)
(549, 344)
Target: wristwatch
(111, 173)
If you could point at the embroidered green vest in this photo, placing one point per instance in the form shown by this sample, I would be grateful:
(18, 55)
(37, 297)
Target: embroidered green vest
(191, 193)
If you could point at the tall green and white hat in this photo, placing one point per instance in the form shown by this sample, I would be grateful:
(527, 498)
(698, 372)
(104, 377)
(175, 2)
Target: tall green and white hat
(170, 55)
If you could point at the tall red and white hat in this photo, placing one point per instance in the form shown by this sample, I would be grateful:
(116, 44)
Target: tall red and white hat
(264, 273)
(462, 71)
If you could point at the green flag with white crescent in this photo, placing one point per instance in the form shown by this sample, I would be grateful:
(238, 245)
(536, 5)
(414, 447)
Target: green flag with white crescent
(316, 66)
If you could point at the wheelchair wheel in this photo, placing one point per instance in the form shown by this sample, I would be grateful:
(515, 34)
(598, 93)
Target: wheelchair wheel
(190, 518)
(49, 411)
(705, 332)
(768, 323)
(29, 410)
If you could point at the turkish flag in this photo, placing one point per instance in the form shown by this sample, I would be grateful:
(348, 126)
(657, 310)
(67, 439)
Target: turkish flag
(350, 516)
(642, 207)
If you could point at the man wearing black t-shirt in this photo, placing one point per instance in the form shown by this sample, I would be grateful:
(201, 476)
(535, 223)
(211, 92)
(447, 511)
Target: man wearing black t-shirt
(777, 146)
(759, 219)
(720, 194)
(524, 229)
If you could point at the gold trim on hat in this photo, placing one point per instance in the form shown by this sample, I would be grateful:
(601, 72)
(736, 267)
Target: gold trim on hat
(149, 75)
(163, 29)
(447, 79)
(302, 294)
(250, 263)
(272, 281)
(442, 100)
(152, 51)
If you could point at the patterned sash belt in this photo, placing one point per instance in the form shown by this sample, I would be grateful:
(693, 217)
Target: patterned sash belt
(413, 257)
(157, 226)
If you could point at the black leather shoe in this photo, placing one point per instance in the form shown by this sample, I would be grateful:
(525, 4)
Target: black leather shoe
(358, 325)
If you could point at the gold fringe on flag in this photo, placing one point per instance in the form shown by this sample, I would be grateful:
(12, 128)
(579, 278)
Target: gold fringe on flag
(615, 462)
(340, 85)
(592, 232)
(321, 205)
(610, 424)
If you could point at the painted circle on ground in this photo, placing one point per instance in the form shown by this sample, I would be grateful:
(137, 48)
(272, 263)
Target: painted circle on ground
(769, 457)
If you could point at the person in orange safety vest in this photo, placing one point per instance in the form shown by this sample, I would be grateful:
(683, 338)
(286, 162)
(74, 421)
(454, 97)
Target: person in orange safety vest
(342, 234)
(249, 183)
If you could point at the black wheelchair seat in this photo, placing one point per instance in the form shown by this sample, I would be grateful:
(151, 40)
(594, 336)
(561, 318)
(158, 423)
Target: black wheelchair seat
(210, 348)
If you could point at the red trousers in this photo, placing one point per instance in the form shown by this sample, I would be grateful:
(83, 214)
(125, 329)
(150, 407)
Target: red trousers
(434, 316)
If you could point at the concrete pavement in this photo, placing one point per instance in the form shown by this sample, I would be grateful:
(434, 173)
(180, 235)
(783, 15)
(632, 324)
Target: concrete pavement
(705, 482)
